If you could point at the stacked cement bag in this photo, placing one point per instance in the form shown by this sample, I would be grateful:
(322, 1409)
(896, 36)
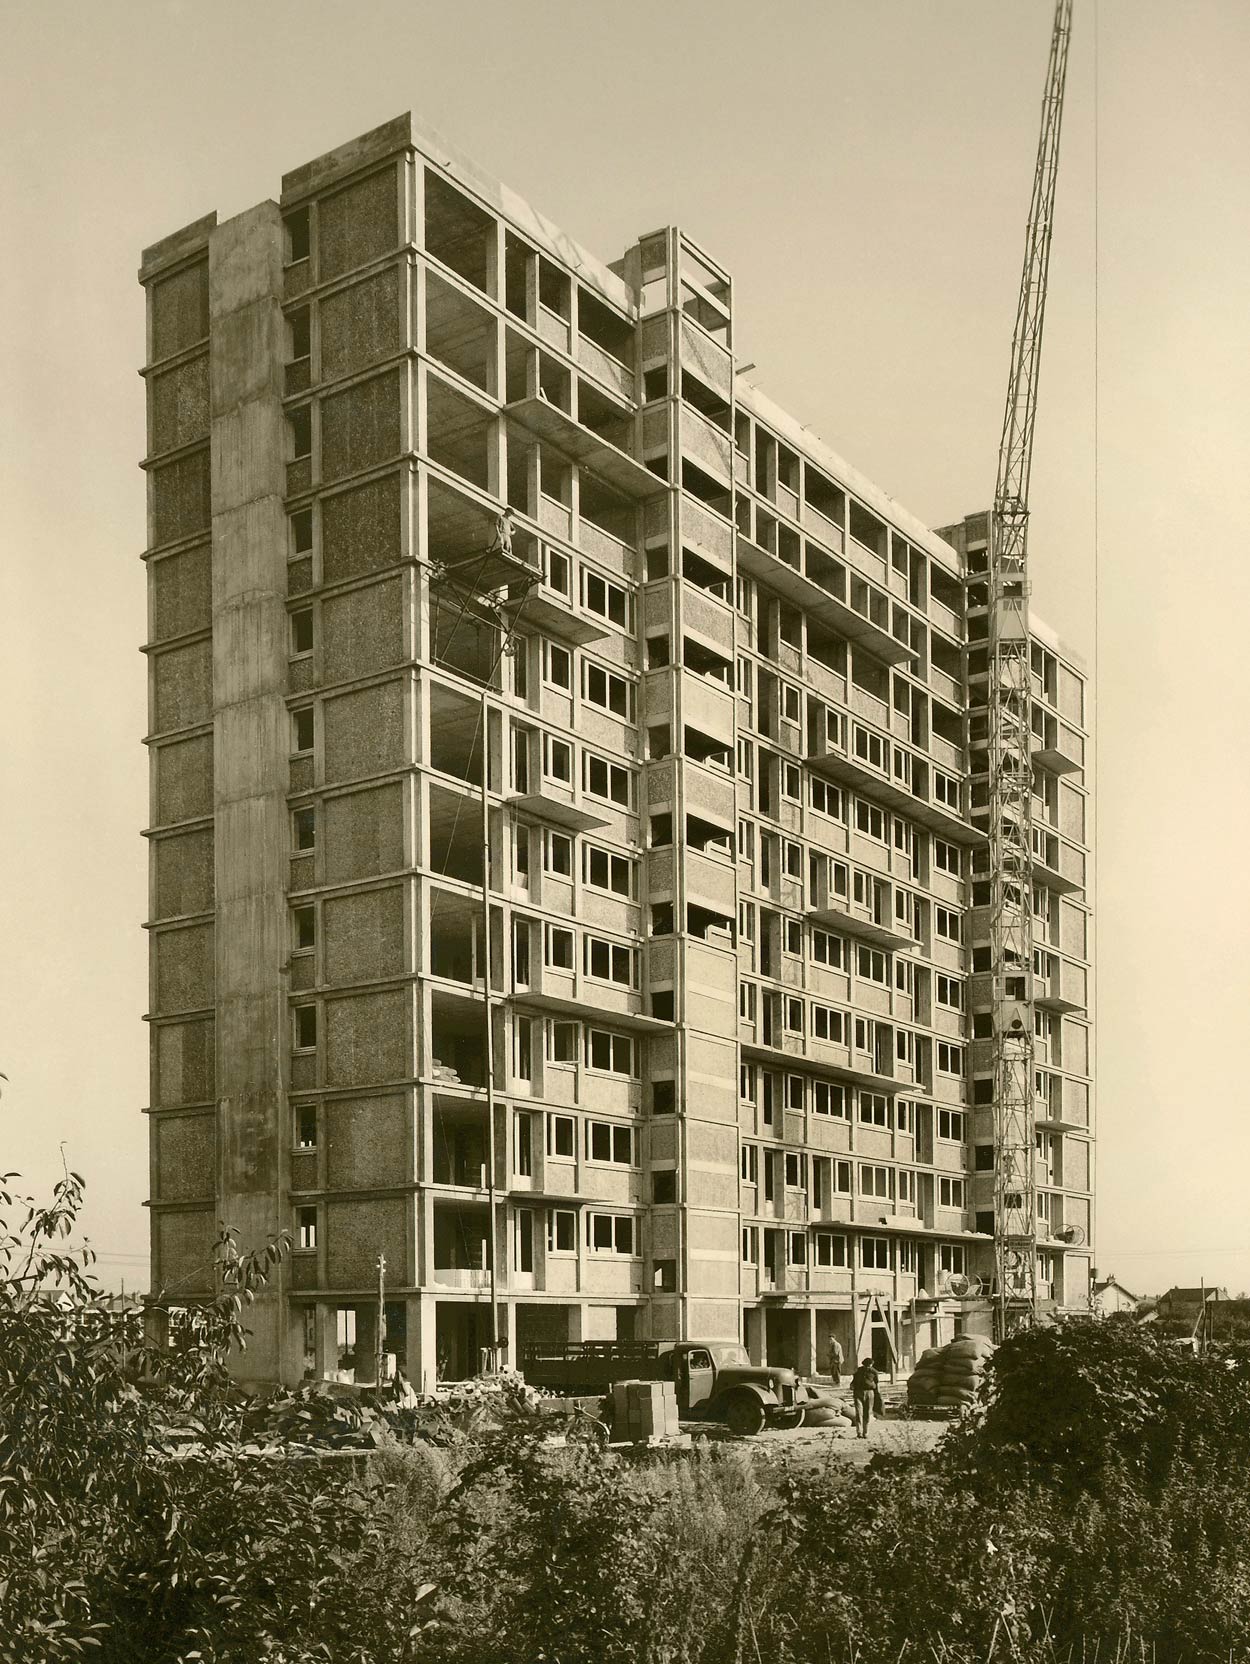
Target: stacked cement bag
(826, 1412)
(950, 1375)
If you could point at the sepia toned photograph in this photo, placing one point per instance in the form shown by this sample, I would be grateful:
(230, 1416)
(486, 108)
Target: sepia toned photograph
(623, 928)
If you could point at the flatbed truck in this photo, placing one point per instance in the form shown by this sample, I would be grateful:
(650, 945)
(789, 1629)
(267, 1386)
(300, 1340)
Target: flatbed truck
(714, 1380)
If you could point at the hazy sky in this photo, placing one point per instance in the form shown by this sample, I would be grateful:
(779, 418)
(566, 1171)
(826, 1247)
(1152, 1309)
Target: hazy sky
(864, 171)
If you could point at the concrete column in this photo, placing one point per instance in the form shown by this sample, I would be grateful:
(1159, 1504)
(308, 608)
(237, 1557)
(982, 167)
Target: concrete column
(326, 1342)
(507, 1336)
(422, 1342)
(251, 747)
(806, 1360)
(753, 1325)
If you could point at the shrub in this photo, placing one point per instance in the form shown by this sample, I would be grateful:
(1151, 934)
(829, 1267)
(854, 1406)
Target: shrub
(1070, 1400)
(115, 1547)
(1096, 1506)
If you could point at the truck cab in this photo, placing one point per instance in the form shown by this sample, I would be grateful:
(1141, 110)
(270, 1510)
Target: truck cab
(716, 1381)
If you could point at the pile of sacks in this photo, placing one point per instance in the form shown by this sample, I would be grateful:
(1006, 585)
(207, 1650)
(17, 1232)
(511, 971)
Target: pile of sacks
(950, 1375)
(823, 1410)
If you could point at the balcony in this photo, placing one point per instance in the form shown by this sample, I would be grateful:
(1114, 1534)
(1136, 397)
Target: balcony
(1051, 879)
(460, 1247)
(459, 1144)
(836, 765)
(588, 1003)
(1051, 758)
(580, 444)
(605, 367)
(556, 811)
(795, 1052)
(818, 602)
(555, 615)
(460, 1276)
(1047, 1000)
(834, 917)
(1051, 1115)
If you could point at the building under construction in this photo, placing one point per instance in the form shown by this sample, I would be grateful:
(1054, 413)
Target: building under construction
(569, 826)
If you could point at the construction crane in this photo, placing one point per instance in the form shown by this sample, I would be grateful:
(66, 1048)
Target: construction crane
(1010, 741)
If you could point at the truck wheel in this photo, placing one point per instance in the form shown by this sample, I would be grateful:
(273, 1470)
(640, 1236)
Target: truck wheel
(791, 1419)
(744, 1414)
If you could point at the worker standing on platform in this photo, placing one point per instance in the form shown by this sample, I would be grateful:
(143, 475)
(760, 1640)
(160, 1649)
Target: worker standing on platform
(503, 534)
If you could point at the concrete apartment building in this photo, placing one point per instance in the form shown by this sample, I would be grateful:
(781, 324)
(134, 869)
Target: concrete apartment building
(713, 747)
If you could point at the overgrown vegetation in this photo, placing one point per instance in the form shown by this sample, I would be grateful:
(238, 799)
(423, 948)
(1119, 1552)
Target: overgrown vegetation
(1096, 1505)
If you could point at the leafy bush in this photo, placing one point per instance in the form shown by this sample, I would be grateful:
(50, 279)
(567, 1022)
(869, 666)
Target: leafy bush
(115, 1545)
(1070, 1401)
(1097, 1505)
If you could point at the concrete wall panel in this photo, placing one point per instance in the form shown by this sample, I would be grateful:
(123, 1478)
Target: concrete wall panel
(356, 1233)
(361, 426)
(363, 936)
(362, 631)
(358, 224)
(364, 833)
(1072, 929)
(184, 968)
(184, 779)
(184, 873)
(367, 1039)
(179, 310)
(361, 324)
(364, 732)
(361, 529)
(185, 1157)
(178, 410)
(182, 592)
(367, 1141)
(182, 687)
(182, 1063)
(1076, 1163)
(1071, 812)
(714, 1234)
(714, 1320)
(179, 498)
(184, 1251)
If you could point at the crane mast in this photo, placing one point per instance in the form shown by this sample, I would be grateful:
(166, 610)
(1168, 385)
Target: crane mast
(1010, 741)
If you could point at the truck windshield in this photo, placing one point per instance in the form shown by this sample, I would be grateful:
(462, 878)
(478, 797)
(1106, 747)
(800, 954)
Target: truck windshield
(733, 1357)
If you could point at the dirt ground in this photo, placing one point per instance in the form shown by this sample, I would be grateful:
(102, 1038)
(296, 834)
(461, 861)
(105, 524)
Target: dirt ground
(894, 1432)
(819, 1445)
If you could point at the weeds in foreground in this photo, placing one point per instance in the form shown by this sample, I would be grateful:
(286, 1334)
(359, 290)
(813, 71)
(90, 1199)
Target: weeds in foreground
(1095, 1511)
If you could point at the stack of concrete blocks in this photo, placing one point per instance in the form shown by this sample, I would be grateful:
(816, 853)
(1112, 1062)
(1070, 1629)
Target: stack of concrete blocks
(643, 1411)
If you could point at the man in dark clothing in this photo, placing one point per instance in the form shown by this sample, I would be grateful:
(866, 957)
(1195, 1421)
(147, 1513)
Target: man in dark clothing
(864, 1393)
(835, 1359)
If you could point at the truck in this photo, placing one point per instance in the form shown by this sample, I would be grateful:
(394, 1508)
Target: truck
(715, 1380)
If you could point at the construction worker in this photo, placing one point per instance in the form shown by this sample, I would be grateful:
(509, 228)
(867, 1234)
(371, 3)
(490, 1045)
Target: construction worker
(865, 1393)
(835, 1359)
(503, 534)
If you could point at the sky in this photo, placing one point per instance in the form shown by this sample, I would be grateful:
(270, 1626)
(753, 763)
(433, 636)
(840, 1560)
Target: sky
(863, 170)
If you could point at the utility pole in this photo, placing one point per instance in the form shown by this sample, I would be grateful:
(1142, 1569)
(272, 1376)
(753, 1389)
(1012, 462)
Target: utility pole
(491, 1242)
(483, 579)
(379, 1344)
(1010, 745)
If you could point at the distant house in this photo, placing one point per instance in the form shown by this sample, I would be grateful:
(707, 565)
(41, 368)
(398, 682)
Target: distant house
(1106, 1297)
(1188, 1302)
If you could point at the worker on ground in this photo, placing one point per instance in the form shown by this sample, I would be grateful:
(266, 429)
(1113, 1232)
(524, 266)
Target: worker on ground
(866, 1396)
(835, 1359)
